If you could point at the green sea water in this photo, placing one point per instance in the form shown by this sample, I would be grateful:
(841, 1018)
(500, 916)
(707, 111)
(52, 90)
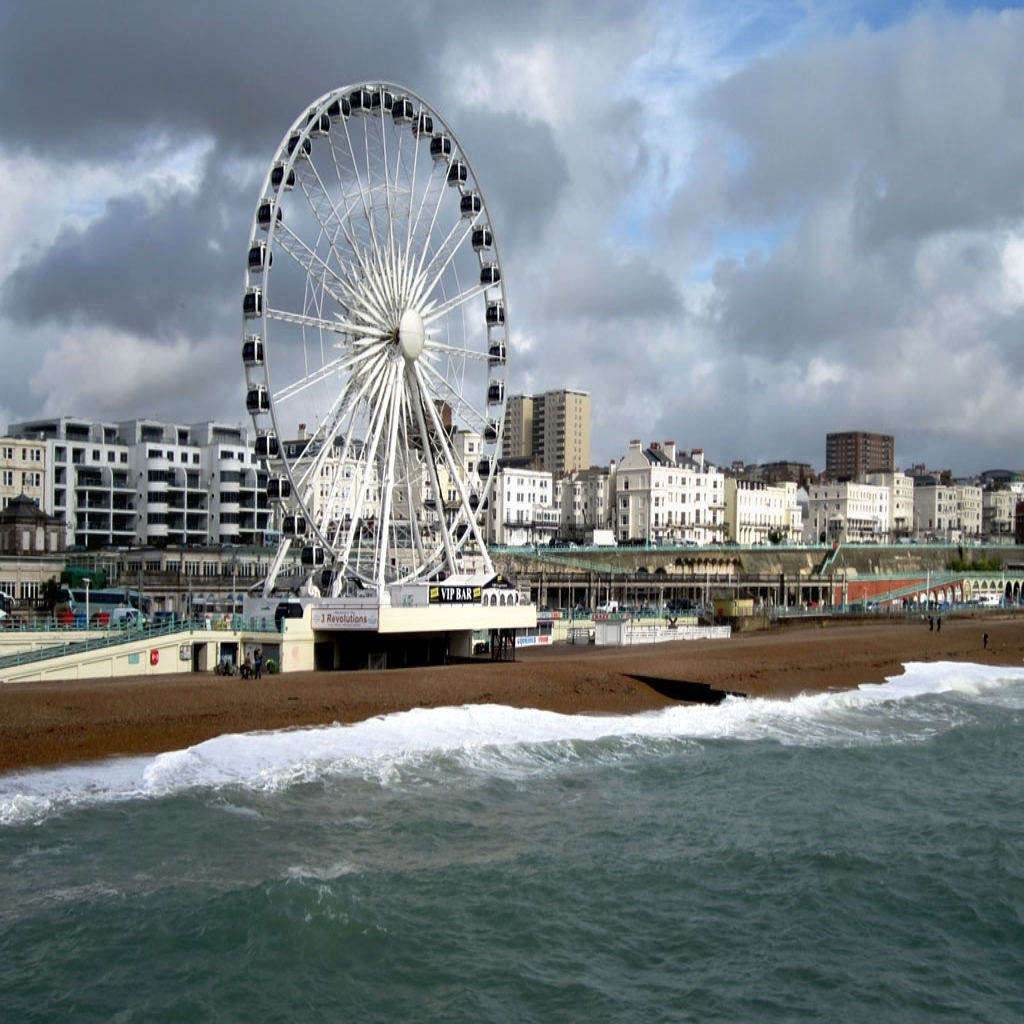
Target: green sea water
(845, 857)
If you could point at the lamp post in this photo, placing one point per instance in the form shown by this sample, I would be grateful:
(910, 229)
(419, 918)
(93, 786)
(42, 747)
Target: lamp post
(87, 582)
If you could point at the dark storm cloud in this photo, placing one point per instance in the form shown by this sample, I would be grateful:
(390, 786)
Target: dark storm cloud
(90, 80)
(158, 268)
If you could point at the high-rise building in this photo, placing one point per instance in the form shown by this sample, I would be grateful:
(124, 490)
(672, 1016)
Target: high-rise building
(552, 428)
(518, 439)
(851, 454)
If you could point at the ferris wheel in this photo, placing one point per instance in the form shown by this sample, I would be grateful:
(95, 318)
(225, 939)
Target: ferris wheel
(375, 342)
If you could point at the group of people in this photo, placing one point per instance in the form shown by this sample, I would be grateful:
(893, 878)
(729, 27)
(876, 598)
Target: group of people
(252, 667)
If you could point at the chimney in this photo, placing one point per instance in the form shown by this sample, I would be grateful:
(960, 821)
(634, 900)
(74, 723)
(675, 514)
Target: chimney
(670, 450)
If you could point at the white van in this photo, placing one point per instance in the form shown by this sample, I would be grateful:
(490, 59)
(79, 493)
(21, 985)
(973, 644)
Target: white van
(127, 617)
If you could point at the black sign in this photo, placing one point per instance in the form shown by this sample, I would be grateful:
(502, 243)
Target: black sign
(447, 593)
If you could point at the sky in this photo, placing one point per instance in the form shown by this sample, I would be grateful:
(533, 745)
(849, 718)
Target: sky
(739, 226)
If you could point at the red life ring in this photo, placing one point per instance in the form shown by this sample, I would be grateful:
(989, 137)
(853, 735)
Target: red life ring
(154, 656)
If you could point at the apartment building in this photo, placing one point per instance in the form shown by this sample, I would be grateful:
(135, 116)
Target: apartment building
(586, 501)
(146, 482)
(553, 429)
(998, 510)
(665, 497)
(969, 511)
(761, 513)
(522, 508)
(939, 511)
(840, 512)
(22, 471)
(851, 454)
(901, 501)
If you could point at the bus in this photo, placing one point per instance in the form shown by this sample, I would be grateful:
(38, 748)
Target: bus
(73, 602)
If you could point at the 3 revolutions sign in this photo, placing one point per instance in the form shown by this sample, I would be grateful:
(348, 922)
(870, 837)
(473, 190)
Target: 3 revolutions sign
(344, 617)
(449, 593)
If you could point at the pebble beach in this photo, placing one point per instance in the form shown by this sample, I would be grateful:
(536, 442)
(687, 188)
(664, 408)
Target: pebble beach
(55, 722)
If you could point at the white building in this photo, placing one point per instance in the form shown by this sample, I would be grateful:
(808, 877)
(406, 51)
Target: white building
(586, 501)
(146, 482)
(968, 511)
(935, 511)
(838, 512)
(522, 508)
(998, 509)
(901, 501)
(662, 498)
(760, 513)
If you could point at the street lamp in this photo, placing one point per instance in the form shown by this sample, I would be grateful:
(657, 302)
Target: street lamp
(87, 583)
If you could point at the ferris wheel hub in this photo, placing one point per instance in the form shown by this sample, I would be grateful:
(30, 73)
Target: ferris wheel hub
(411, 334)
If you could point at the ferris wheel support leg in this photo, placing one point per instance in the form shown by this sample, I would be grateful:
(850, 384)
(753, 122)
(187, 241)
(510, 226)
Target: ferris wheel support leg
(435, 480)
(459, 483)
(275, 566)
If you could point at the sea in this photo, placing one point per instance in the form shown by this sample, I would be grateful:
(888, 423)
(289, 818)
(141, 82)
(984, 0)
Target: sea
(848, 856)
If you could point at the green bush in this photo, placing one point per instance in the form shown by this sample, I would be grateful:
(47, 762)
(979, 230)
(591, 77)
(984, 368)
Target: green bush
(981, 565)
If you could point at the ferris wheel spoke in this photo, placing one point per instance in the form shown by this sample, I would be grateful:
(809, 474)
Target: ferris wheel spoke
(388, 477)
(304, 320)
(333, 368)
(457, 477)
(368, 461)
(308, 259)
(420, 403)
(352, 285)
(438, 348)
(413, 476)
(437, 312)
(345, 405)
(473, 416)
(442, 257)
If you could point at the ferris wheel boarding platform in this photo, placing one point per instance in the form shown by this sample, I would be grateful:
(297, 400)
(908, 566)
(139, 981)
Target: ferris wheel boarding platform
(415, 624)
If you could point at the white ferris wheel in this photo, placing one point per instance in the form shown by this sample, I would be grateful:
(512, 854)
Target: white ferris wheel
(375, 343)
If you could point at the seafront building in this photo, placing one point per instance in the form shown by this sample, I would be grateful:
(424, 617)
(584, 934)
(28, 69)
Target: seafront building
(585, 500)
(146, 482)
(841, 512)
(761, 513)
(665, 497)
(522, 509)
(998, 509)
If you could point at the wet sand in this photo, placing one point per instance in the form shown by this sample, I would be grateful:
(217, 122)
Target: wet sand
(58, 722)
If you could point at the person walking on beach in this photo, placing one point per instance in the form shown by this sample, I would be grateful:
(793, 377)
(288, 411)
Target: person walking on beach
(938, 625)
(931, 623)
(984, 641)
(257, 663)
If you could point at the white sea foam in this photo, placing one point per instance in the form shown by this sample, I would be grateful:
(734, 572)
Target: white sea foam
(487, 737)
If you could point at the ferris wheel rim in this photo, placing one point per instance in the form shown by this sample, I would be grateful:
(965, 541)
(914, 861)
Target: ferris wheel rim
(412, 334)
